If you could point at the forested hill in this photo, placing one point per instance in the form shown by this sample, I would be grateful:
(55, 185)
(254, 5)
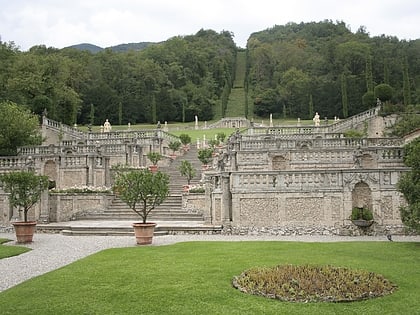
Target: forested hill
(292, 70)
(118, 48)
(297, 69)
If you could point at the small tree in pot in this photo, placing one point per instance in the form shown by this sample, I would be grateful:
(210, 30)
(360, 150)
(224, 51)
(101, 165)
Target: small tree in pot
(185, 140)
(25, 188)
(142, 191)
(187, 170)
(174, 146)
(154, 157)
(205, 156)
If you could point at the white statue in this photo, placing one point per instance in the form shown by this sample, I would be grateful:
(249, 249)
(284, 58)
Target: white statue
(316, 119)
(107, 126)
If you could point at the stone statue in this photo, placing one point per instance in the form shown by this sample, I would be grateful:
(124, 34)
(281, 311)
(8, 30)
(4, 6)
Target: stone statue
(316, 119)
(107, 126)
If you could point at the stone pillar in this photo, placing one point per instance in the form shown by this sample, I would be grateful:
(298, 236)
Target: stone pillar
(226, 199)
(107, 171)
(44, 213)
(208, 212)
(91, 171)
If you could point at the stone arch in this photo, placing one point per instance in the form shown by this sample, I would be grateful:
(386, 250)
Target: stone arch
(279, 162)
(361, 195)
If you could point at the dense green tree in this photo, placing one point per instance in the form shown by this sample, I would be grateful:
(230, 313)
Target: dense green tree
(409, 185)
(18, 127)
(383, 92)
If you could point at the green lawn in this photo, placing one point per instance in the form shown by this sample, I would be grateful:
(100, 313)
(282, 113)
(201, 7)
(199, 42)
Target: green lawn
(195, 278)
(9, 251)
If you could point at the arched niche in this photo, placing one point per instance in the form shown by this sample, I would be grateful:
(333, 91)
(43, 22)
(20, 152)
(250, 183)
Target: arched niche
(50, 170)
(361, 196)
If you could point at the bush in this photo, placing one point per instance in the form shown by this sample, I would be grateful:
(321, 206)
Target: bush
(361, 214)
(204, 155)
(185, 139)
(154, 157)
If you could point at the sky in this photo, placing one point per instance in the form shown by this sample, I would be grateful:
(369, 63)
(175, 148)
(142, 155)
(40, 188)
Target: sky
(105, 23)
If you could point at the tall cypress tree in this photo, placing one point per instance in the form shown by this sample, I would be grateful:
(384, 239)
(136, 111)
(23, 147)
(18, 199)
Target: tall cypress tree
(369, 75)
(344, 98)
(406, 83)
(311, 106)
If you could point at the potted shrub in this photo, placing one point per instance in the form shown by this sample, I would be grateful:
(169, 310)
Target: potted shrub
(188, 171)
(174, 146)
(362, 216)
(25, 188)
(154, 157)
(142, 191)
(205, 156)
(185, 140)
(221, 136)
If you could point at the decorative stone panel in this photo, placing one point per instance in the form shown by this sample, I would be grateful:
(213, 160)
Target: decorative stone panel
(387, 208)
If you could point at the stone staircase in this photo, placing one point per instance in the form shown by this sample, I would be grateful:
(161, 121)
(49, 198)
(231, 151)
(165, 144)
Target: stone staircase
(170, 209)
(176, 180)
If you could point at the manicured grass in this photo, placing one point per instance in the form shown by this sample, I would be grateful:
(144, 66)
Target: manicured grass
(9, 251)
(195, 278)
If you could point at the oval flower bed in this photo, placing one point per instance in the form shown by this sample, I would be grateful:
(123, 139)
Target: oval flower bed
(313, 283)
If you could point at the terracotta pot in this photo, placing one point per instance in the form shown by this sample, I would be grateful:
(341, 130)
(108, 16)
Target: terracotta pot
(24, 231)
(144, 232)
(153, 168)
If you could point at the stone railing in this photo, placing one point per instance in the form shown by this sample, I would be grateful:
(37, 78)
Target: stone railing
(248, 143)
(353, 121)
(336, 126)
(313, 180)
(62, 128)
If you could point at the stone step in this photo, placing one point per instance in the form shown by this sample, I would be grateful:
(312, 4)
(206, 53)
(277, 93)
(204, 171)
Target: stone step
(134, 217)
(124, 228)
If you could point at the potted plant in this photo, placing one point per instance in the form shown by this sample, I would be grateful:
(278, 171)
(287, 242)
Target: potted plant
(361, 216)
(185, 140)
(25, 188)
(205, 156)
(174, 146)
(188, 171)
(221, 136)
(154, 157)
(142, 191)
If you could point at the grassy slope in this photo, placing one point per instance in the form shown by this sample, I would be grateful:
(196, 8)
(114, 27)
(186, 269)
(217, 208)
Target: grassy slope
(236, 103)
(195, 278)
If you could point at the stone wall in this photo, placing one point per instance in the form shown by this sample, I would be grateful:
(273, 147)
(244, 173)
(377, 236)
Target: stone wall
(318, 201)
(65, 206)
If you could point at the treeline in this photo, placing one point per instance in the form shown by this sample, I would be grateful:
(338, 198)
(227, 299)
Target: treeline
(295, 70)
(170, 81)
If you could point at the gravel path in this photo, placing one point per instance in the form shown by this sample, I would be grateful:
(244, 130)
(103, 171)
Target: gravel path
(52, 251)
